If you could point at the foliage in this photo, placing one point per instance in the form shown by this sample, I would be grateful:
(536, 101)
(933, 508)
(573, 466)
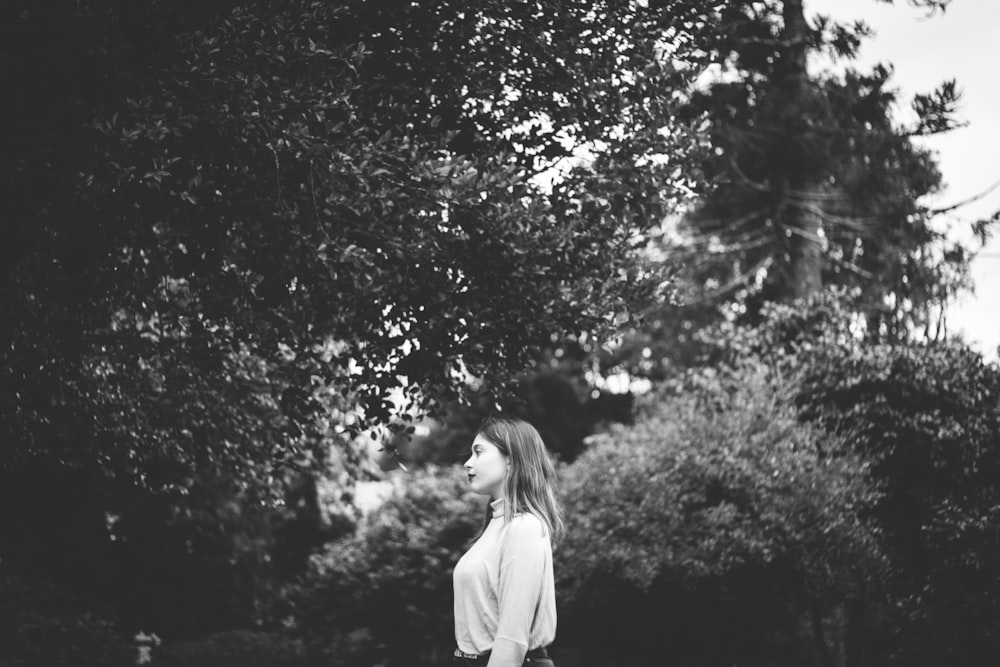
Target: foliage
(924, 415)
(876, 233)
(792, 151)
(157, 505)
(711, 528)
(554, 397)
(44, 624)
(233, 649)
(384, 596)
(200, 565)
(808, 180)
(248, 173)
(929, 418)
(237, 232)
(809, 498)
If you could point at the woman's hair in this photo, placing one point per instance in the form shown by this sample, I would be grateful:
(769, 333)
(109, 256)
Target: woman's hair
(528, 486)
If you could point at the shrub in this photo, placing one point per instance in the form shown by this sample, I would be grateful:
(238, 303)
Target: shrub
(711, 530)
(384, 596)
(926, 415)
(42, 623)
(929, 418)
(240, 648)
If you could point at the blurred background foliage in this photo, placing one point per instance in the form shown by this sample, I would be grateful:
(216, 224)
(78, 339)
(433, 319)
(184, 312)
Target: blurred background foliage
(248, 243)
(719, 527)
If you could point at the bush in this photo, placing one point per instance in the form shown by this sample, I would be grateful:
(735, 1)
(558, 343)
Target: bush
(384, 596)
(711, 531)
(44, 624)
(929, 418)
(241, 648)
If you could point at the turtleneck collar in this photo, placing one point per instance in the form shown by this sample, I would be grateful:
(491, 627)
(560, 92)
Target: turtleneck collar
(497, 506)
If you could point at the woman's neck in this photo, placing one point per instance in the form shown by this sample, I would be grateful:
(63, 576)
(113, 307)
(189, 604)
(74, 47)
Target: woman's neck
(498, 506)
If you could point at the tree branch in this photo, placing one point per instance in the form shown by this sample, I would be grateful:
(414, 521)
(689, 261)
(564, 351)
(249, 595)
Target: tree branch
(965, 202)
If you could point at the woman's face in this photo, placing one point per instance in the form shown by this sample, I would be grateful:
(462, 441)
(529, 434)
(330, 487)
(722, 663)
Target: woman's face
(486, 467)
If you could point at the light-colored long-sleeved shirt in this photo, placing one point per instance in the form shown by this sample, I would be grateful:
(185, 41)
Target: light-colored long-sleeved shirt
(505, 599)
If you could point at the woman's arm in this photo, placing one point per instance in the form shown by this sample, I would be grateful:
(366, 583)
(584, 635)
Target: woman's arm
(522, 569)
(507, 653)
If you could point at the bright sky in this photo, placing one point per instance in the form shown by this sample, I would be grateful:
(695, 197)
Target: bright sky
(963, 43)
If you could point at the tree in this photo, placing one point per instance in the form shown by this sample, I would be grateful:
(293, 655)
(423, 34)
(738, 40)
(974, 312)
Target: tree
(807, 181)
(237, 234)
(555, 399)
(810, 182)
(813, 182)
(252, 182)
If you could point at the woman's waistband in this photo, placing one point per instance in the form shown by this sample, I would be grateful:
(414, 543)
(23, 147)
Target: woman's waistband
(483, 658)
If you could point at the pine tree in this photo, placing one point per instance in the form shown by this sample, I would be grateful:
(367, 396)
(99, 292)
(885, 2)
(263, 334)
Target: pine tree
(811, 181)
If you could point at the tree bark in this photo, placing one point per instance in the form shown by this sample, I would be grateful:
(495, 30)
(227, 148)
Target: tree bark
(801, 208)
(855, 641)
(825, 655)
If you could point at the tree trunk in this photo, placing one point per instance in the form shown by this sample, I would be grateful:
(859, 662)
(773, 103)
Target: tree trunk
(801, 208)
(825, 655)
(854, 640)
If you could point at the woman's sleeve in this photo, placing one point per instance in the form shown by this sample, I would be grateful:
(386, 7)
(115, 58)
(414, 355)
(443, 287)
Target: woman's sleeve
(522, 571)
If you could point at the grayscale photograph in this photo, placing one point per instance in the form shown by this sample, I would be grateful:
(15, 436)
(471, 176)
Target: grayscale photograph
(499, 333)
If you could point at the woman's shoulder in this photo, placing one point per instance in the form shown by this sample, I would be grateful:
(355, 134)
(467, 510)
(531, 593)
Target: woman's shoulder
(527, 526)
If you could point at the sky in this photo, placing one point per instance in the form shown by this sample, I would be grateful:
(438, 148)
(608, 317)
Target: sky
(963, 43)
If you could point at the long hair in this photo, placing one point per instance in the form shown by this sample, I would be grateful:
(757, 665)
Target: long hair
(529, 486)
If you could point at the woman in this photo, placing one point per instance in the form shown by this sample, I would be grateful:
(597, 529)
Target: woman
(505, 604)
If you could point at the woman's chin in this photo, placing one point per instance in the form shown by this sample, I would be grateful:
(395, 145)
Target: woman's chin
(478, 489)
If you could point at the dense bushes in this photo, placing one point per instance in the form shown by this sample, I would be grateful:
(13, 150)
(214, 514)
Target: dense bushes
(384, 596)
(714, 532)
(817, 501)
(235, 649)
(926, 415)
(714, 529)
(929, 418)
(811, 500)
(43, 624)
